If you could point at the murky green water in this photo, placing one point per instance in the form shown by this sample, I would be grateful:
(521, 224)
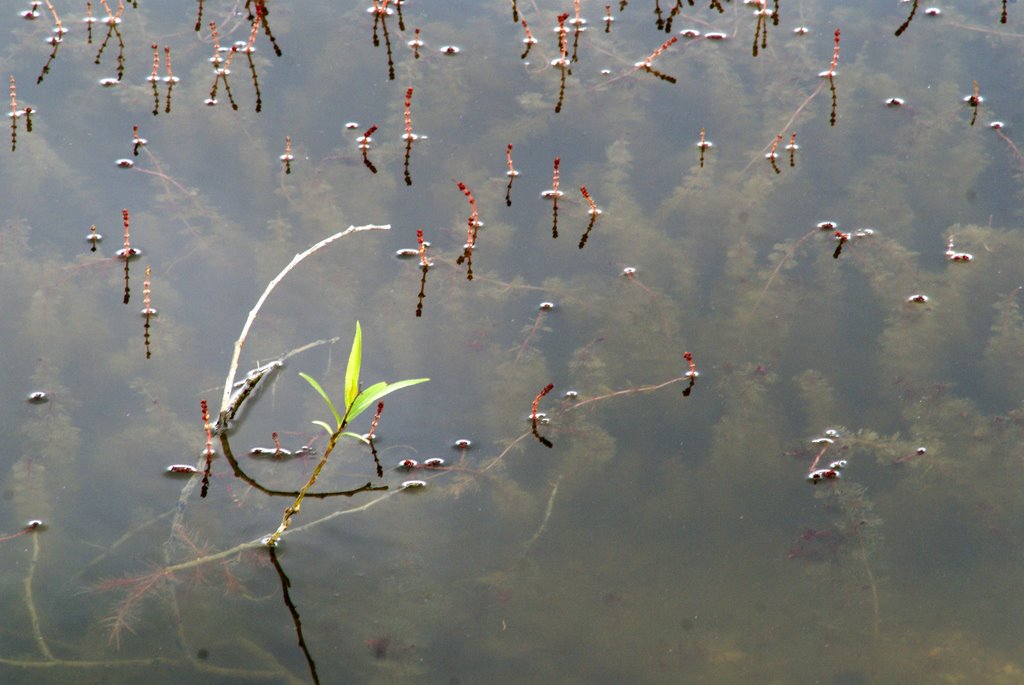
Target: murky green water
(665, 536)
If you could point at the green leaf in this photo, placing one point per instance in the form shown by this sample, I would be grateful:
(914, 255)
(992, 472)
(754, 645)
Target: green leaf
(316, 386)
(355, 359)
(350, 434)
(367, 397)
(326, 427)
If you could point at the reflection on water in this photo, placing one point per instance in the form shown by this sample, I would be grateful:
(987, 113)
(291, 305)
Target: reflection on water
(632, 379)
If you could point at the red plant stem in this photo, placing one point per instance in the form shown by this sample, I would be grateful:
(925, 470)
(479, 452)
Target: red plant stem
(422, 248)
(27, 529)
(277, 442)
(818, 456)
(835, 55)
(547, 388)
(216, 44)
(689, 360)
(376, 418)
(664, 46)
(508, 160)
(156, 63)
(562, 37)
(14, 99)
(287, 147)
(167, 60)
(60, 27)
(255, 29)
(111, 15)
(775, 146)
(473, 217)
(554, 179)
(1013, 146)
(529, 35)
(576, 9)
(369, 132)
(590, 201)
(408, 115)
(145, 290)
(127, 236)
(207, 427)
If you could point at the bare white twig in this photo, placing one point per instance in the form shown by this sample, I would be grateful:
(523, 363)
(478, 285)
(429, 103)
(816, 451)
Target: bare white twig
(230, 380)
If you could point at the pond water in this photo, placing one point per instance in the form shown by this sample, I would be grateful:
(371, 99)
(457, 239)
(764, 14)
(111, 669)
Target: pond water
(652, 525)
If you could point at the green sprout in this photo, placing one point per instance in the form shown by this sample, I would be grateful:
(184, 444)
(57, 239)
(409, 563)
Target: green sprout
(356, 402)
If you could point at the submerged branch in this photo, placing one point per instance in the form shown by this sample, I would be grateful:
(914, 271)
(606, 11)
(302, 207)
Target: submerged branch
(233, 369)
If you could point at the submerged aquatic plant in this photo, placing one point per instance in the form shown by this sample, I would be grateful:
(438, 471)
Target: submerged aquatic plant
(356, 402)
